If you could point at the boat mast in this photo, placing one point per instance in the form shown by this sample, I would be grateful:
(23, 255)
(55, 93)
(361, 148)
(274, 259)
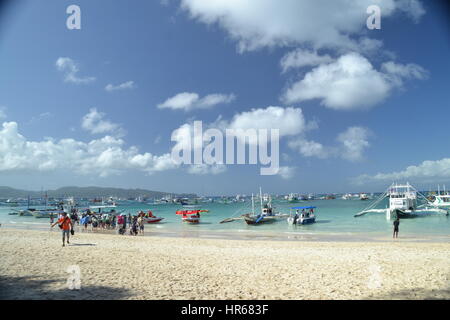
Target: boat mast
(253, 205)
(260, 198)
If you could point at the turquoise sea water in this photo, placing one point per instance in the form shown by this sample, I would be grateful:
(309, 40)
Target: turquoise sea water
(334, 221)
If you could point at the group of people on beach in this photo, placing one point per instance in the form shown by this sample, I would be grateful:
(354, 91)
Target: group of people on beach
(102, 221)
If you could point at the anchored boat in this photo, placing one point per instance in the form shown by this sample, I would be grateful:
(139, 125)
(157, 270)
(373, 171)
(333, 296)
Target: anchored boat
(306, 216)
(190, 216)
(267, 215)
(150, 218)
(403, 199)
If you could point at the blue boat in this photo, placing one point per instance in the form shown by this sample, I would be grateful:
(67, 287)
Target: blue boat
(306, 216)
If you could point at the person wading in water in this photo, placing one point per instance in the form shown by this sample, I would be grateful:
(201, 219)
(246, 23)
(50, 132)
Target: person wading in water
(396, 224)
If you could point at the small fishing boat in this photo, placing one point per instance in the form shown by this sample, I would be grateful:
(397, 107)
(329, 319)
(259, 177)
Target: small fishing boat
(190, 216)
(292, 198)
(305, 217)
(153, 219)
(46, 214)
(150, 218)
(267, 214)
(363, 197)
(25, 213)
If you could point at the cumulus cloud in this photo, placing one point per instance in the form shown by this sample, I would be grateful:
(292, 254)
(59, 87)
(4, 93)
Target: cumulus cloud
(351, 82)
(397, 72)
(188, 101)
(255, 24)
(427, 171)
(204, 169)
(101, 157)
(309, 148)
(122, 86)
(302, 58)
(351, 145)
(354, 142)
(286, 172)
(70, 69)
(413, 8)
(95, 123)
(290, 121)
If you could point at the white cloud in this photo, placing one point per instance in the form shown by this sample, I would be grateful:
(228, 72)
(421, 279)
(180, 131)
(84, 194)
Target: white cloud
(351, 83)
(351, 145)
(255, 24)
(188, 101)
(413, 8)
(183, 138)
(286, 172)
(95, 124)
(70, 69)
(101, 157)
(290, 121)
(354, 141)
(122, 86)
(302, 58)
(428, 171)
(309, 148)
(396, 72)
(204, 169)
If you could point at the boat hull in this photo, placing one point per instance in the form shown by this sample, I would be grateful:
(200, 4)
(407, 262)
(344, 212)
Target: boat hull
(301, 221)
(153, 220)
(258, 220)
(403, 214)
(192, 220)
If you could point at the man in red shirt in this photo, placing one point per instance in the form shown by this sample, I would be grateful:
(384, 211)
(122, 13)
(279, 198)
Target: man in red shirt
(65, 224)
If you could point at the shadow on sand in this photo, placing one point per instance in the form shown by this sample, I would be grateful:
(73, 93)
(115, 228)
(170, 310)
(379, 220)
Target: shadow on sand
(415, 294)
(34, 288)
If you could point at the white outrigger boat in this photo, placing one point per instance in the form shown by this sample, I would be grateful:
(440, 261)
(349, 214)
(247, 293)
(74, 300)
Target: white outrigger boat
(403, 203)
(441, 199)
(305, 217)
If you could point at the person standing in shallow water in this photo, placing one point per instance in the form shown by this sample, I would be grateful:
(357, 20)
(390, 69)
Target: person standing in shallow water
(396, 224)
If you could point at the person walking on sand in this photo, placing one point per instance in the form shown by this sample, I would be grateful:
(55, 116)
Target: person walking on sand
(140, 221)
(396, 224)
(65, 224)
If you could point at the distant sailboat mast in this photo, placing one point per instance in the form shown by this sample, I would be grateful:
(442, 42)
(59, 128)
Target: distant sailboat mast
(253, 205)
(260, 198)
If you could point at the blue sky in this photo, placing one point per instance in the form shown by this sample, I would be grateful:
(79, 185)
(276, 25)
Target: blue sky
(371, 105)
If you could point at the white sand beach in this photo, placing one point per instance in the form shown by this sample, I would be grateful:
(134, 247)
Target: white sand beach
(33, 266)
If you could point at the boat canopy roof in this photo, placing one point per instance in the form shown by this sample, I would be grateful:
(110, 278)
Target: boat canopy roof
(304, 207)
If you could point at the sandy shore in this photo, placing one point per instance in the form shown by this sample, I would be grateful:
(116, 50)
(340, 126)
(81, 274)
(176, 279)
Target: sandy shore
(33, 266)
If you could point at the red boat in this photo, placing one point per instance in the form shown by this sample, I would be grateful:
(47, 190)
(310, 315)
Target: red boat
(149, 217)
(153, 219)
(190, 216)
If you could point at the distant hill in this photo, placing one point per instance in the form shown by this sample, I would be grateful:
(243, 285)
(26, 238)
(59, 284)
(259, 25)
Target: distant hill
(87, 192)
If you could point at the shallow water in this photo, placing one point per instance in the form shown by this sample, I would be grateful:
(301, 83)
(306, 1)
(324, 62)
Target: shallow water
(335, 221)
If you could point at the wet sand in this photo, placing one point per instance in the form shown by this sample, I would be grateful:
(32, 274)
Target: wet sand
(33, 265)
